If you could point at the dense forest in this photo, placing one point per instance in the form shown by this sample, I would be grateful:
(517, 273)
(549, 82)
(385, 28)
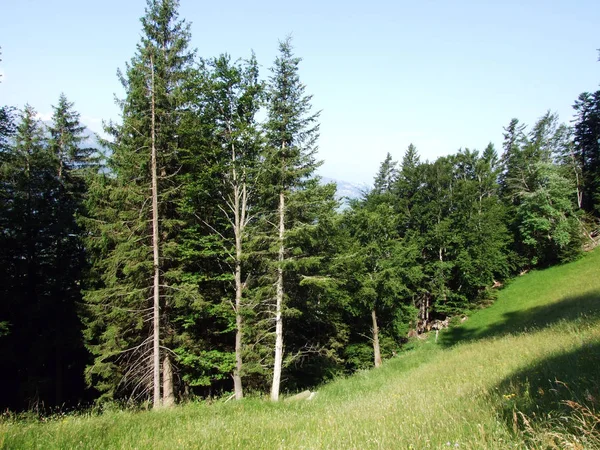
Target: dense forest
(198, 253)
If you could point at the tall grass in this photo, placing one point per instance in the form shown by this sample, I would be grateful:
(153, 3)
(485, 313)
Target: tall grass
(520, 374)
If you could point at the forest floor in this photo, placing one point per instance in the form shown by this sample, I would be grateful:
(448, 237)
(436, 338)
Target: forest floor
(523, 373)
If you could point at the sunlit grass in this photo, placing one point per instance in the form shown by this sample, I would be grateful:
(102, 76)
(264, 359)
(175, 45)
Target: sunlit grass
(496, 382)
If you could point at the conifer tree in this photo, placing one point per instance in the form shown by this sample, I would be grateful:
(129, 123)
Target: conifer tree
(386, 176)
(29, 187)
(291, 132)
(479, 221)
(233, 96)
(135, 222)
(586, 153)
(7, 130)
(72, 162)
(405, 188)
(372, 262)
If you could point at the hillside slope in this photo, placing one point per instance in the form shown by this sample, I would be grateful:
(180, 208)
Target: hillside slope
(497, 381)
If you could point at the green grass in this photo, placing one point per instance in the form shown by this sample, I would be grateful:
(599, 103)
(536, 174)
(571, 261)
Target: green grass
(497, 381)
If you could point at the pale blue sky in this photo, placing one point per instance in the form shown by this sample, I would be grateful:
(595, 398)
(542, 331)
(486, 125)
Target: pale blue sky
(439, 74)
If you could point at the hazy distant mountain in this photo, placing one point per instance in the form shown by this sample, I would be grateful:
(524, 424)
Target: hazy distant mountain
(347, 190)
(90, 139)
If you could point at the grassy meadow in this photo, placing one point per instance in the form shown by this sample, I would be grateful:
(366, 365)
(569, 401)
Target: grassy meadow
(523, 373)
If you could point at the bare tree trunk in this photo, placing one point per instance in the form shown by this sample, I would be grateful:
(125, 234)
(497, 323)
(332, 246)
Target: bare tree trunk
(278, 320)
(578, 182)
(239, 223)
(156, 261)
(168, 394)
(237, 378)
(376, 349)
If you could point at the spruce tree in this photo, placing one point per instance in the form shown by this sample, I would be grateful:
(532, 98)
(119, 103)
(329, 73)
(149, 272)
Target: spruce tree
(586, 153)
(232, 96)
(291, 132)
(29, 187)
(405, 188)
(134, 221)
(72, 162)
(386, 176)
(479, 221)
(7, 130)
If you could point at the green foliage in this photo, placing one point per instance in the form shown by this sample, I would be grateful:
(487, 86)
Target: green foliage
(548, 222)
(427, 243)
(220, 183)
(386, 176)
(42, 192)
(205, 366)
(542, 196)
(118, 318)
(313, 329)
(450, 210)
(585, 156)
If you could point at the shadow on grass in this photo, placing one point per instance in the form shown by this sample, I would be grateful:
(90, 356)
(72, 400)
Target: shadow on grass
(585, 306)
(539, 391)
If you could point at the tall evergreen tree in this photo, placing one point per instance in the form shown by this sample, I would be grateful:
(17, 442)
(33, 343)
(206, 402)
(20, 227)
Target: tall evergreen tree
(514, 136)
(29, 187)
(7, 130)
(233, 96)
(405, 188)
(135, 222)
(292, 132)
(386, 176)
(479, 221)
(72, 163)
(7, 127)
(586, 154)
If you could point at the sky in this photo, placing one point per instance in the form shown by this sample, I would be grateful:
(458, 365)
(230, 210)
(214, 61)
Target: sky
(442, 75)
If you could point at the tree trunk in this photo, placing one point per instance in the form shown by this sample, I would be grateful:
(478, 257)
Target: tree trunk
(156, 262)
(58, 370)
(168, 394)
(239, 222)
(376, 349)
(237, 377)
(278, 321)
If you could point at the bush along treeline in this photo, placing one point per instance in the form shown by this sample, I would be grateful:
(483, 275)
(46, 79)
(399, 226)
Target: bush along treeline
(199, 254)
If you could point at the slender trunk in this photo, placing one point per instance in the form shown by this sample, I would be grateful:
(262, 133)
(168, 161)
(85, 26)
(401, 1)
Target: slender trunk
(278, 321)
(168, 395)
(237, 377)
(376, 349)
(57, 309)
(156, 262)
(442, 279)
(578, 183)
(239, 222)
